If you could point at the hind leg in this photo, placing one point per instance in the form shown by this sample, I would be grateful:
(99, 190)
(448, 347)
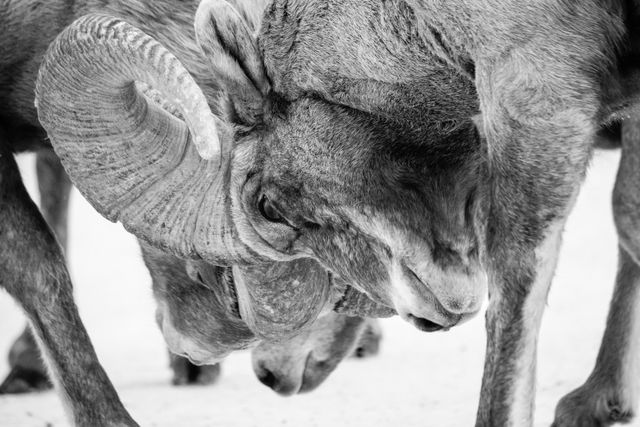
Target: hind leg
(369, 342)
(611, 392)
(33, 272)
(28, 372)
(186, 373)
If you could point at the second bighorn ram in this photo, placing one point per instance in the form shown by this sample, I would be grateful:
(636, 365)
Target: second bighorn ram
(201, 296)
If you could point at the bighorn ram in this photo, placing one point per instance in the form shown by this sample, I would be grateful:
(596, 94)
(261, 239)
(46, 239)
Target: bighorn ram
(32, 263)
(352, 143)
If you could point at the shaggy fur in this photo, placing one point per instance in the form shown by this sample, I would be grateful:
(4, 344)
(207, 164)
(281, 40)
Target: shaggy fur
(367, 154)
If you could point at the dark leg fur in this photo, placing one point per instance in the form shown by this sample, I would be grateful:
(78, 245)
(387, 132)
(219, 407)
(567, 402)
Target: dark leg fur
(28, 372)
(33, 271)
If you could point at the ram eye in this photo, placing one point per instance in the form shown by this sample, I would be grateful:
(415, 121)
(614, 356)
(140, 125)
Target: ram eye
(269, 211)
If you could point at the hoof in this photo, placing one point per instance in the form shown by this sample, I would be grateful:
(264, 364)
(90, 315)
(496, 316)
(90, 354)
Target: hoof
(22, 380)
(28, 373)
(362, 352)
(369, 344)
(186, 373)
(107, 416)
(589, 406)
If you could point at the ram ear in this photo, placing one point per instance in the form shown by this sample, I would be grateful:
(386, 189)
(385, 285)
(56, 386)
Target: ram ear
(251, 12)
(478, 121)
(231, 48)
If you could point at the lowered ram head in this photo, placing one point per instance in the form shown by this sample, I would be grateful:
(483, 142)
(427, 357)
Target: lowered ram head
(200, 317)
(273, 176)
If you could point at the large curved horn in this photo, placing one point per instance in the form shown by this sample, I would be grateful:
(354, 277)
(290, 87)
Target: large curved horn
(132, 160)
(279, 299)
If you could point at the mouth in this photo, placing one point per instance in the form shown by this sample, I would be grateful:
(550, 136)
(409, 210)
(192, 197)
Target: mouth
(314, 374)
(224, 276)
(232, 293)
(427, 314)
(425, 325)
(220, 281)
(355, 303)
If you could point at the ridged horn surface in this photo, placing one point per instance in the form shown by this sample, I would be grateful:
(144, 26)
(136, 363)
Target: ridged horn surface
(165, 179)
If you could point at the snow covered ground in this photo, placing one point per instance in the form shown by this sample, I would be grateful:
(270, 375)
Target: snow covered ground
(418, 379)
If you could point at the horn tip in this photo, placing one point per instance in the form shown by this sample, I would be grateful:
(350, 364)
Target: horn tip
(209, 148)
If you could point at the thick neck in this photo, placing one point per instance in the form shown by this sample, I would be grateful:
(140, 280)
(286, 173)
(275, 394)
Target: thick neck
(375, 57)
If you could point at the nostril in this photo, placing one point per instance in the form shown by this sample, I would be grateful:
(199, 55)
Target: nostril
(267, 378)
(424, 324)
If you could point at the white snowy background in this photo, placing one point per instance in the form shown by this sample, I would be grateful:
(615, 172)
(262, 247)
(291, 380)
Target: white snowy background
(418, 379)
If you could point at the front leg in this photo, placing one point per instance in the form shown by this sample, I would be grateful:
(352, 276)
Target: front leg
(28, 372)
(33, 272)
(517, 300)
(538, 133)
